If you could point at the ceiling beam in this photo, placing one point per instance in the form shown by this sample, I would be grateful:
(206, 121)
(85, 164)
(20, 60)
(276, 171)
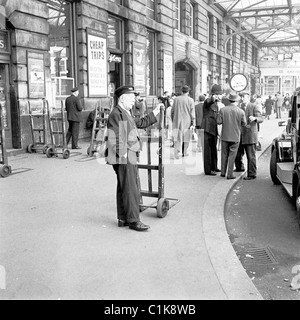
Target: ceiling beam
(265, 8)
(280, 44)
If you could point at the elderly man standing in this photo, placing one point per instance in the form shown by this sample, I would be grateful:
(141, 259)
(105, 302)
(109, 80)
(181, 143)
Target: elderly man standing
(249, 137)
(74, 109)
(183, 118)
(232, 119)
(123, 147)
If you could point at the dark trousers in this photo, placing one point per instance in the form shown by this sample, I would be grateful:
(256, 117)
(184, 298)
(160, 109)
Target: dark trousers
(210, 153)
(73, 132)
(250, 150)
(128, 192)
(228, 155)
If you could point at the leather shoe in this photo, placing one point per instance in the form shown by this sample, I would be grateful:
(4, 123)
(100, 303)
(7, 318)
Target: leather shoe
(138, 226)
(249, 178)
(233, 177)
(218, 170)
(222, 175)
(122, 223)
(212, 173)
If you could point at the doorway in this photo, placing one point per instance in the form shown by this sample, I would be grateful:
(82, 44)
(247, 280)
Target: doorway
(5, 103)
(184, 75)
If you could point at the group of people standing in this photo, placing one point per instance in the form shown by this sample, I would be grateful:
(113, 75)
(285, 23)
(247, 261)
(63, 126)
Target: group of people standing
(239, 120)
(277, 104)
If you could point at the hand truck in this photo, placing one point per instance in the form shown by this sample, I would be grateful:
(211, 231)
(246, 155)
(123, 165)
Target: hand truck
(163, 204)
(5, 169)
(38, 130)
(57, 133)
(99, 126)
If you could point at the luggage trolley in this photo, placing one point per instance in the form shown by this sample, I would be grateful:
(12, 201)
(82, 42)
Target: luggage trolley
(98, 131)
(38, 130)
(57, 133)
(163, 204)
(5, 169)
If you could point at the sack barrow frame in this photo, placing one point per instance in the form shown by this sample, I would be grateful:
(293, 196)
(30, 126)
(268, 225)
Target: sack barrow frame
(5, 169)
(163, 204)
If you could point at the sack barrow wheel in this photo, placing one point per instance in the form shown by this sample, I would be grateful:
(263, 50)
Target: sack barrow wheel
(66, 154)
(162, 207)
(5, 171)
(50, 152)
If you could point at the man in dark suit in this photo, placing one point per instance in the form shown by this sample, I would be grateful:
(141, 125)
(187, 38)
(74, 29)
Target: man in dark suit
(74, 109)
(123, 147)
(249, 137)
(209, 124)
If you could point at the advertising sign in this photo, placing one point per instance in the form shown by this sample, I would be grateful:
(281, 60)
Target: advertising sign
(36, 75)
(168, 72)
(97, 64)
(4, 42)
(238, 82)
(139, 68)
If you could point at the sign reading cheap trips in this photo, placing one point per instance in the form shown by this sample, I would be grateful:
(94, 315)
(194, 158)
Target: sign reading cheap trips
(238, 82)
(97, 64)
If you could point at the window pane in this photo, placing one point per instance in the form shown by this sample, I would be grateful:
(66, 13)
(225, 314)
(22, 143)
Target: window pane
(60, 46)
(151, 9)
(150, 63)
(114, 33)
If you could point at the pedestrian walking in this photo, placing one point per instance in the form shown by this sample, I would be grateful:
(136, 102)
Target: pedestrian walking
(287, 102)
(249, 138)
(269, 103)
(232, 119)
(74, 112)
(183, 119)
(278, 104)
(123, 147)
(199, 119)
(169, 125)
(210, 127)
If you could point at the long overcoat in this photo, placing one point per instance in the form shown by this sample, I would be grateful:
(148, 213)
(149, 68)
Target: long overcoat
(250, 131)
(183, 116)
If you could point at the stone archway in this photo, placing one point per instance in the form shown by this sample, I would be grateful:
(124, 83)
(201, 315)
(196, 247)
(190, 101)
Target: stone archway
(184, 75)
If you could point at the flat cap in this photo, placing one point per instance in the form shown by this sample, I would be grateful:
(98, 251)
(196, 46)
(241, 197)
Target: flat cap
(74, 89)
(124, 90)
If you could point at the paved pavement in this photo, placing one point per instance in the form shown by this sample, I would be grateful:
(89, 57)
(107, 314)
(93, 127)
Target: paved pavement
(59, 237)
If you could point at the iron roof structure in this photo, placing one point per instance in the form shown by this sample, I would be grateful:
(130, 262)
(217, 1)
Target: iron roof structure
(275, 24)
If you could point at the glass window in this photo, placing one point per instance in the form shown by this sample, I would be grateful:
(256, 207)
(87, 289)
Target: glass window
(210, 30)
(114, 33)
(177, 15)
(190, 20)
(61, 46)
(151, 63)
(218, 44)
(234, 45)
(120, 2)
(151, 9)
(228, 44)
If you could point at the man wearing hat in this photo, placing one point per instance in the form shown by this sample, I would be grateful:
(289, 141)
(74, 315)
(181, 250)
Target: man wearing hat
(232, 118)
(210, 126)
(74, 109)
(249, 137)
(183, 121)
(123, 147)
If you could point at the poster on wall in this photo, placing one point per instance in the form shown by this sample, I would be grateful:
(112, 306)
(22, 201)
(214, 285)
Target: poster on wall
(168, 72)
(139, 68)
(97, 64)
(36, 75)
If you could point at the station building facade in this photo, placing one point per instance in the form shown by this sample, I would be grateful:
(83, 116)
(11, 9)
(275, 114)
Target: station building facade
(47, 47)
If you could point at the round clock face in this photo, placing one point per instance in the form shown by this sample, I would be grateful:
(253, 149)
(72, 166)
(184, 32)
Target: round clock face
(238, 82)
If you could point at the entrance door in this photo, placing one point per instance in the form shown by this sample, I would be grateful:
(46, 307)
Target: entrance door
(184, 75)
(5, 103)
